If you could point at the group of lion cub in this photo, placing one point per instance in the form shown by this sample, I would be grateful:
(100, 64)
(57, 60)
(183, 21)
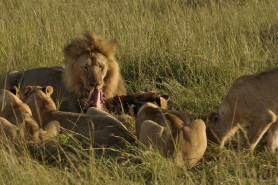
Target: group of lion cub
(90, 88)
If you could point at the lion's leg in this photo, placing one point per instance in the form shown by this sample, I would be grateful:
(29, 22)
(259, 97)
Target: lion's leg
(52, 128)
(96, 111)
(227, 136)
(45, 140)
(152, 134)
(272, 137)
(31, 126)
(256, 131)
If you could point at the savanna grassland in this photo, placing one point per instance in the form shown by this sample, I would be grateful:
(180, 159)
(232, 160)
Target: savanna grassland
(190, 50)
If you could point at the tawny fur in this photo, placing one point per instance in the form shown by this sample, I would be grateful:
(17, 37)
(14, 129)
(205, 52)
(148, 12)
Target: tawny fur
(39, 101)
(101, 127)
(17, 116)
(172, 133)
(252, 100)
(89, 64)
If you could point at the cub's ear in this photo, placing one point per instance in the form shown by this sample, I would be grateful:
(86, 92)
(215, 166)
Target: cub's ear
(166, 97)
(162, 101)
(48, 90)
(27, 90)
(212, 117)
(133, 110)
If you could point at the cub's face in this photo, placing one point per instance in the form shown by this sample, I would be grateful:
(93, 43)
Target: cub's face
(37, 97)
(93, 68)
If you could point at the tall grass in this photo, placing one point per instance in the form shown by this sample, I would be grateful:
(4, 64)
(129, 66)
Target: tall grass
(190, 49)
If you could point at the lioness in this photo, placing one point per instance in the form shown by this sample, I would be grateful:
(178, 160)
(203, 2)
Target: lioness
(14, 112)
(171, 132)
(89, 64)
(252, 100)
(96, 124)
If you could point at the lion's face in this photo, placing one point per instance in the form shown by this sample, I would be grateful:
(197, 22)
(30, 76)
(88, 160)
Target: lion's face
(90, 64)
(39, 100)
(92, 69)
(212, 120)
(36, 97)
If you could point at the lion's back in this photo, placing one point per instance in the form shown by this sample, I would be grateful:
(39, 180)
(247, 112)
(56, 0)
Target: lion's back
(42, 77)
(261, 87)
(51, 76)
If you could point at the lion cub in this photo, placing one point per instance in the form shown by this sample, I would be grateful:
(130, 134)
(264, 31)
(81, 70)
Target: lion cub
(98, 125)
(252, 100)
(171, 132)
(16, 116)
(40, 102)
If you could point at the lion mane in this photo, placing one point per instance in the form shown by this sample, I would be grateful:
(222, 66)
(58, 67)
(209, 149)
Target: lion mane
(89, 64)
(88, 44)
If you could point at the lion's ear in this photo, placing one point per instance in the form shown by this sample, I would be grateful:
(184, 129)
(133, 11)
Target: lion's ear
(133, 110)
(213, 117)
(161, 102)
(27, 90)
(48, 90)
(165, 96)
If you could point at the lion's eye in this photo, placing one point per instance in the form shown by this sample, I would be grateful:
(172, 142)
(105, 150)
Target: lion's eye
(101, 67)
(85, 68)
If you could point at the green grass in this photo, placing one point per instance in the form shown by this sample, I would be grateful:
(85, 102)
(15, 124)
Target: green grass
(191, 50)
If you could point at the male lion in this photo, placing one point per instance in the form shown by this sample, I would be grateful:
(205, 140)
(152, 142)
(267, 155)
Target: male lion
(89, 65)
(171, 132)
(101, 127)
(252, 100)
